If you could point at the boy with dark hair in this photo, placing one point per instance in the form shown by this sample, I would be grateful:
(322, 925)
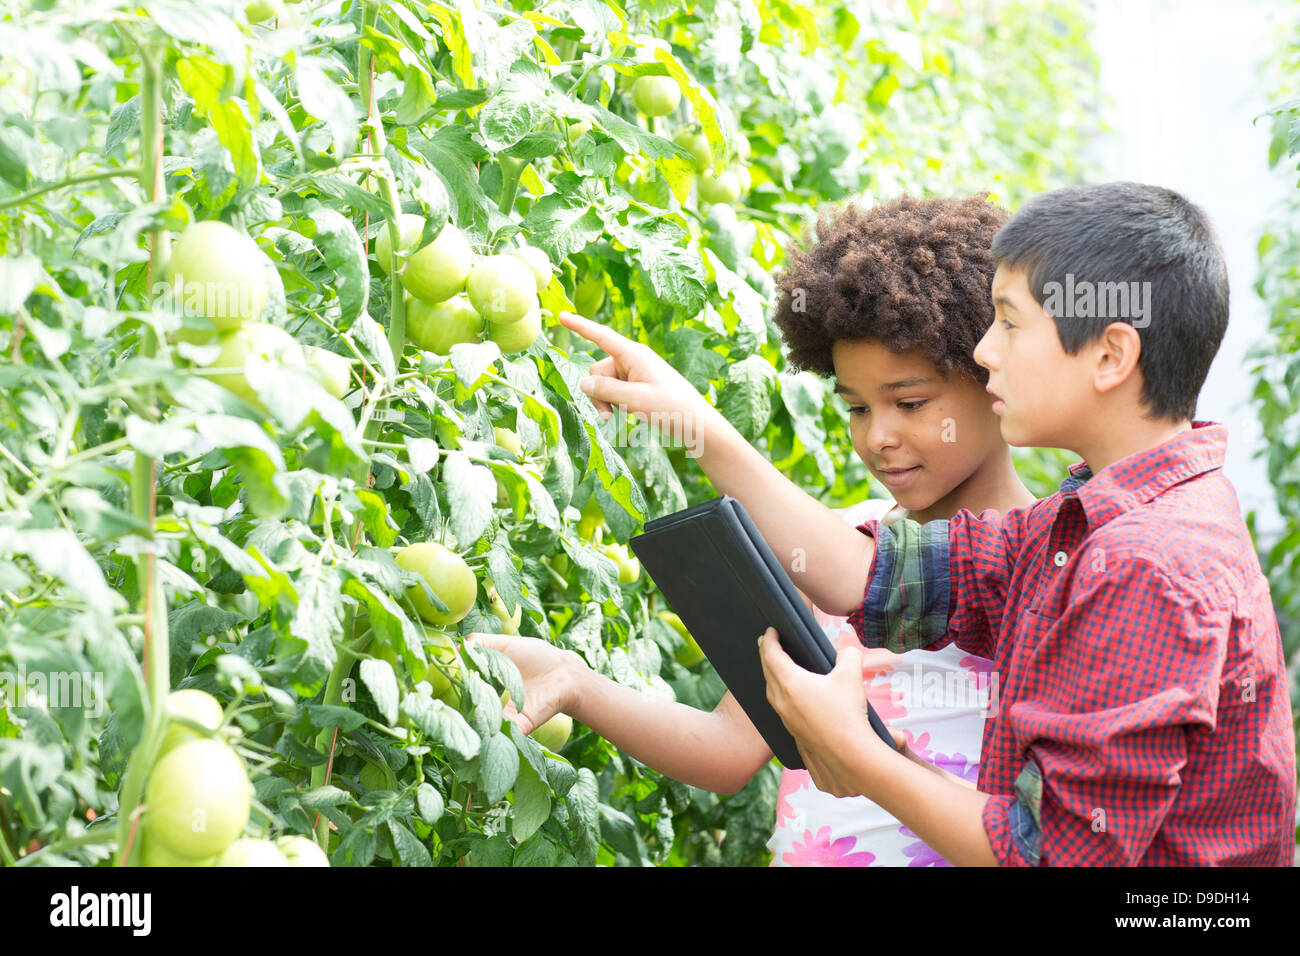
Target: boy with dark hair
(1144, 715)
(889, 301)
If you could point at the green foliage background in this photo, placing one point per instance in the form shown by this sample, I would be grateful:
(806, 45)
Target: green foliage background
(1276, 374)
(136, 493)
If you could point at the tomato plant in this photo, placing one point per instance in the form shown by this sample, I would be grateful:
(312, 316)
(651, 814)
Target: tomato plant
(219, 498)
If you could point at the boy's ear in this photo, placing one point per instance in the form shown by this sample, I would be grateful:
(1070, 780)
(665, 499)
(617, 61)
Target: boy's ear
(1117, 352)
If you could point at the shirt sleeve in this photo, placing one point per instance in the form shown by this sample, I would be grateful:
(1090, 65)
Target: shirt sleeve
(1138, 658)
(935, 583)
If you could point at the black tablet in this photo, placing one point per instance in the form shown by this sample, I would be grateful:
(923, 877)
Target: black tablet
(727, 586)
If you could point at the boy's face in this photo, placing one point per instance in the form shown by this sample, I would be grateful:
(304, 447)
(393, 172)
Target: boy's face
(1039, 389)
(904, 415)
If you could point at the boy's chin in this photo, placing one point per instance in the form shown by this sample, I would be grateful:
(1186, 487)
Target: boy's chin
(1014, 433)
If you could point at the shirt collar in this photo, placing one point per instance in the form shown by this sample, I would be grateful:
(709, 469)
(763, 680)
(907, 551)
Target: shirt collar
(1148, 473)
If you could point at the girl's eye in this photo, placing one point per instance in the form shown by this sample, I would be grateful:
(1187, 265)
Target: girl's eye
(1007, 324)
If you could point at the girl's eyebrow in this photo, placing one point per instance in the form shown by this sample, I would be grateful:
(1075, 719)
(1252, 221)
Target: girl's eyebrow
(842, 389)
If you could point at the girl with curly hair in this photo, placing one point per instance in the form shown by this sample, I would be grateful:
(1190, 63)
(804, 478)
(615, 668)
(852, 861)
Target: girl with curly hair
(889, 302)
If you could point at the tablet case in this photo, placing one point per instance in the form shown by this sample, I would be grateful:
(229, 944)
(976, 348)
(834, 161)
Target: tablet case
(726, 585)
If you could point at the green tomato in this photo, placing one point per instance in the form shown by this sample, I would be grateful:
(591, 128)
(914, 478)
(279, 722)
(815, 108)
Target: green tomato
(592, 518)
(218, 272)
(689, 654)
(442, 651)
(656, 95)
(437, 327)
(446, 574)
(198, 706)
(438, 271)
(589, 295)
(538, 262)
(741, 147)
(257, 338)
(418, 669)
(260, 10)
(629, 568)
(576, 130)
(509, 622)
(517, 336)
(502, 289)
(198, 798)
(697, 144)
(723, 188)
(155, 853)
(554, 733)
(509, 440)
(332, 370)
(409, 228)
(250, 852)
(300, 851)
(744, 178)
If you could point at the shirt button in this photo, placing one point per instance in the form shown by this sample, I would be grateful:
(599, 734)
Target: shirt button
(1061, 558)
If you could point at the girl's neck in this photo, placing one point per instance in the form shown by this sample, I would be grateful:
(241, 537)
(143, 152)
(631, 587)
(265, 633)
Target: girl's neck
(994, 484)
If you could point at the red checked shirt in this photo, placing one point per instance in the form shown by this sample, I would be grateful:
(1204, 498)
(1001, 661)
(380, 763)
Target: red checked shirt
(1141, 713)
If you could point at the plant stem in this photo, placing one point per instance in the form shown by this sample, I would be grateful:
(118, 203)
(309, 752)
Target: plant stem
(72, 181)
(333, 695)
(102, 834)
(152, 601)
(379, 147)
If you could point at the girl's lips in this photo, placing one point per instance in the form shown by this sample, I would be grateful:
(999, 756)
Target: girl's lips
(900, 479)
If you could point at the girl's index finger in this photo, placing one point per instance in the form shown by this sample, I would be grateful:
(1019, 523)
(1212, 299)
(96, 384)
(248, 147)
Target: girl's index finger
(603, 336)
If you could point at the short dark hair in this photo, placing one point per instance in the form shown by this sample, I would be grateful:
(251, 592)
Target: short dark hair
(1120, 233)
(910, 272)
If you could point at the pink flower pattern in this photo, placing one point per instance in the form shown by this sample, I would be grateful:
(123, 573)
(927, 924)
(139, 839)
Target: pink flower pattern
(921, 853)
(791, 781)
(820, 850)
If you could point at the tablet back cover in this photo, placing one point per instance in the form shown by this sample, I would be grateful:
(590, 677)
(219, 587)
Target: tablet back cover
(704, 562)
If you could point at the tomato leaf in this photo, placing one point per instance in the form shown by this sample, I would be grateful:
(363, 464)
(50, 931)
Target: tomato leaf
(442, 725)
(380, 680)
(532, 803)
(340, 246)
(471, 494)
(498, 766)
(326, 716)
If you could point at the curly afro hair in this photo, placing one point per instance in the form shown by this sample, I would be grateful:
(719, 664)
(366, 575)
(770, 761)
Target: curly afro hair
(911, 273)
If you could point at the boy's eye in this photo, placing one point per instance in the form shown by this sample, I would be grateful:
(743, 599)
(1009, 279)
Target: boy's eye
(911, 406)
(854, 409)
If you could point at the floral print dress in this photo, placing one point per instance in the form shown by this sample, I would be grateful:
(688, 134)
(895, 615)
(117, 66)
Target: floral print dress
(937, 698)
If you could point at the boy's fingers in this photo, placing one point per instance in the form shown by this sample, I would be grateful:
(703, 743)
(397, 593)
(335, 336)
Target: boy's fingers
(776, 662)
(848, 666)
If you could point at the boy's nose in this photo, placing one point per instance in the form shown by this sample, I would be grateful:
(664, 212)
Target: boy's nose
(983, 353)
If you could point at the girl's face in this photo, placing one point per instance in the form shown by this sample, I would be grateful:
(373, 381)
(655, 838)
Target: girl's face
(921, 435)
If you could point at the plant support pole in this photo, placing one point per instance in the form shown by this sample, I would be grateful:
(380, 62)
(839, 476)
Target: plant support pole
(144, 478)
